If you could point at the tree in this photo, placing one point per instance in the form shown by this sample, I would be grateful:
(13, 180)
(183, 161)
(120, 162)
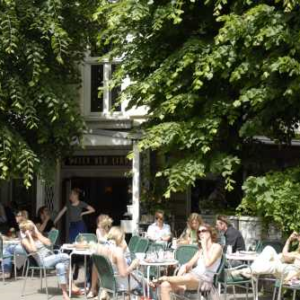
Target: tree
(41, 44)
(214, 75)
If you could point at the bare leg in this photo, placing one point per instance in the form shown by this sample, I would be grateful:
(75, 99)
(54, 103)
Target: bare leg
(175, 283)
(64, 292)
(94, 285)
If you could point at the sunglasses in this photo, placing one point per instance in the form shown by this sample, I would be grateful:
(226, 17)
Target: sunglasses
(159, 218)
(202, 230)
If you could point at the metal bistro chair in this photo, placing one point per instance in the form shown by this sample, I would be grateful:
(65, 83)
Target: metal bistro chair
(279, 285)
(226, 279)
(133, 242)
(142, 245)
(32, 265)
(107, 277)
(2, 257)
(53, 236)
(277, 245)
(184, 253)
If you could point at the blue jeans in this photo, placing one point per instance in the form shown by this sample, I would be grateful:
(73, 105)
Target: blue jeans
(61, 262)
(11, 250)
(76, 228)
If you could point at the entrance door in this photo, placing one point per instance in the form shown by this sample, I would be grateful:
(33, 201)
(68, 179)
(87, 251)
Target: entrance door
(107, 195)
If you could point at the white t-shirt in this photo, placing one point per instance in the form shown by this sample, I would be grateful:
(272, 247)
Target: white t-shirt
(156, 233)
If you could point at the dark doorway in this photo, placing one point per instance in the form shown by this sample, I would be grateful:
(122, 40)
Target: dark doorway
(107, 195)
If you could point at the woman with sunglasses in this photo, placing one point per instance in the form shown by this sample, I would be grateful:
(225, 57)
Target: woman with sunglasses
(159, 231)
(198, 272)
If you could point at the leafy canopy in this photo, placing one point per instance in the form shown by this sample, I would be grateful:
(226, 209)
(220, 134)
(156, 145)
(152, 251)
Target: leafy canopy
(214, 74)
(41, 44)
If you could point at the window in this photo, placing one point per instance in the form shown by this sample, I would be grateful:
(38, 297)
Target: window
(99, 98)
(96, 83)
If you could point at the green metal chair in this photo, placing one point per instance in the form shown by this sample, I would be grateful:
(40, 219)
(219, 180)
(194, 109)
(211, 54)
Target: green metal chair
(107, 278)
(225, 280)
(133, 242)
(279, 285)
(142, 245)
(88, 237)
(277, 245)
(53, 236)
(184, 253)
(32, 265)
(2, 257)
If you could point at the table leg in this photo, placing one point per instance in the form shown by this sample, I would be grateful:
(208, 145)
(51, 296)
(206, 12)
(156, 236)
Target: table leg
(70, 277)
(85, 275)
(148, 279)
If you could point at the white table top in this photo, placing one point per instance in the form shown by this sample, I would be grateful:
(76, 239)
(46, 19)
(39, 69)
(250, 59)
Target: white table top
(159, 263)
(11, 241)
(71, 247)
(242, 256)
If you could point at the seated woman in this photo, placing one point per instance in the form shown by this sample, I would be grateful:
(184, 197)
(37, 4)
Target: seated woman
(114, 251)
(35, 242)
(190, 234)
(159, 231)
(14, 249)
(270, 262)
(104, 223)
(197, 273)
(43, 221)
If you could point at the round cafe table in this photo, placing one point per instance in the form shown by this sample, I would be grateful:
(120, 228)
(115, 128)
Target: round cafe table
(158, 264)
(247, 256)
(85, 252)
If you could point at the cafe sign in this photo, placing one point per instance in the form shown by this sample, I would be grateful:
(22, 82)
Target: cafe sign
(97, 160)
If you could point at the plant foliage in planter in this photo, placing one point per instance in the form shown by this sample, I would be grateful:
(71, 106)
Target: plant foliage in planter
(275, 197)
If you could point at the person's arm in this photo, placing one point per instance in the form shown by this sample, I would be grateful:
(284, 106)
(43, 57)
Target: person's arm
(28, 243)
(289, 256)
(60, 214)
(89, 210)
(189, 265)
(122, 267)
(150, 234)
(210, 257)
(167, 235)
(42, 238)
(41, 226)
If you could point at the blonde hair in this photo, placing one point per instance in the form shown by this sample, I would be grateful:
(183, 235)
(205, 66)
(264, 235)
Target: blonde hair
(116, 234)
(23, 214)
(194, 217)
(104, 222)
(26, 225)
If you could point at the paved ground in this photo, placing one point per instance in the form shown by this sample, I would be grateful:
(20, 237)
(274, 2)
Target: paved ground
(11, 290)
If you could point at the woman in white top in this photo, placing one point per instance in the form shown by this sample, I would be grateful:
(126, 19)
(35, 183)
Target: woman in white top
(198, 270)
(104, 223)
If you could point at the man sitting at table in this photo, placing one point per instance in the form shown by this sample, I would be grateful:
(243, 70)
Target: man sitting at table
(159, 231)
(269, 262)
(232, 236)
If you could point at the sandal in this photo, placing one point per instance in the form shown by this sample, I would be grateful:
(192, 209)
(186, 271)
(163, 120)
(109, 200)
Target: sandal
(77, 293)
(91, 295)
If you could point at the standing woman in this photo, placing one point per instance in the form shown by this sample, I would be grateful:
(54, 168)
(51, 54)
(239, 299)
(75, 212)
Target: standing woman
(76, 209)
